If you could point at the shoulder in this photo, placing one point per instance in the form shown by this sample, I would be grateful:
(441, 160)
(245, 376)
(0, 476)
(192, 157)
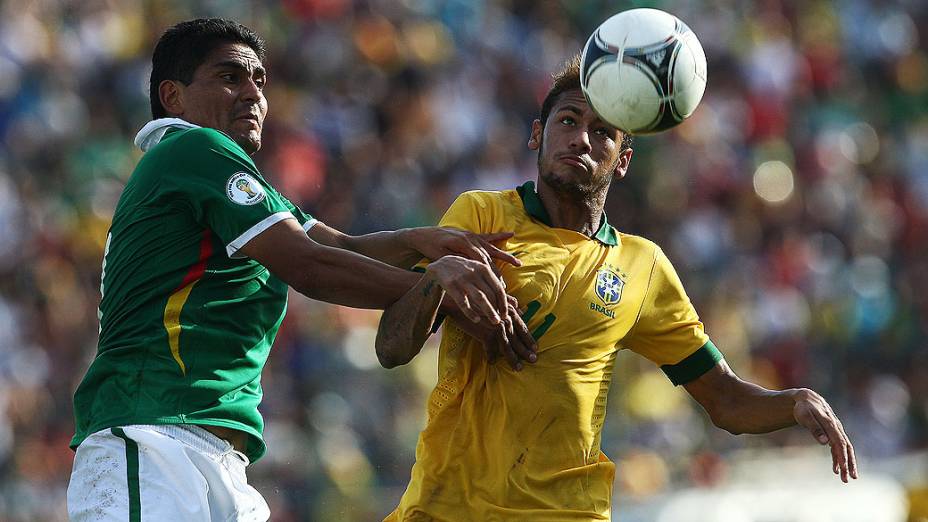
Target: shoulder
(202, 138)
(489, 199)
(480, 196)
(640, 244)
(201, 150)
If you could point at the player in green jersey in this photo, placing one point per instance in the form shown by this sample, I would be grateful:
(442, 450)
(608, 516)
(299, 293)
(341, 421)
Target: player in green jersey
(590, 291)
(194, 287)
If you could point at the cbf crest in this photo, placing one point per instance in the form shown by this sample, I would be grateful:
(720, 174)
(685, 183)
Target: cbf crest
(609, 286)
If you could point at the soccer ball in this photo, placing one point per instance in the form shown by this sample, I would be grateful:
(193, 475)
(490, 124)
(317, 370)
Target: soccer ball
(643, 71)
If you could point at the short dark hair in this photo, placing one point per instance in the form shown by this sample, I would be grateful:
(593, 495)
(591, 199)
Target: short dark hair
(184, 47)
(568, 79)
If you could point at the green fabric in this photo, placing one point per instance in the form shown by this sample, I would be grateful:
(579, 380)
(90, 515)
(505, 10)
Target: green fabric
(691, 368)
(606, 234)
(172, 227)
(132, 475)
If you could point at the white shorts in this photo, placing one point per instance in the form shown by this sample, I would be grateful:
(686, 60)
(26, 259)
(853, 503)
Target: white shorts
(175, 473)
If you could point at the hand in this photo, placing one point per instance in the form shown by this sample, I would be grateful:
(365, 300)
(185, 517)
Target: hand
(515, 343)
(436, 242)
(813, 412)
(510, 339)
(472, 285)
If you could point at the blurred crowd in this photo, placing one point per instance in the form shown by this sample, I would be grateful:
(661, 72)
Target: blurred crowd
(793, 203)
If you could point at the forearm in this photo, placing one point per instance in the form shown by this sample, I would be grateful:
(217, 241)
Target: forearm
(754, 409)
(391, 247)
(739, 406)
(406, 324)
(343, 277)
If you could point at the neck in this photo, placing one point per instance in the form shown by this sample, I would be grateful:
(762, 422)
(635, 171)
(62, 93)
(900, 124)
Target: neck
(580, 213)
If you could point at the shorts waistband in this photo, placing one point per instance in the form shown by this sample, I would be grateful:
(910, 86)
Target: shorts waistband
(191, 435)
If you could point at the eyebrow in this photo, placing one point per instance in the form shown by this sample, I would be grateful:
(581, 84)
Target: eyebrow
(576, 110)
(571, 108)
(233, 64)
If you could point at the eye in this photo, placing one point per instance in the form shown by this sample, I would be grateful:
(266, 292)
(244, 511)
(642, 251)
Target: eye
(603, 133)
(229, 77)
(567, 120)
(260, 81)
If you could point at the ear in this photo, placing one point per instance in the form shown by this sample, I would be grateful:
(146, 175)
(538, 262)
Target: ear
(621, 167)
(171, 94)
(534, 141)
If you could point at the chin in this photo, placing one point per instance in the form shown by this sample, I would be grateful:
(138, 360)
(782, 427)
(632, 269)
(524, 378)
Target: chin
(570, 185)
(250, 142)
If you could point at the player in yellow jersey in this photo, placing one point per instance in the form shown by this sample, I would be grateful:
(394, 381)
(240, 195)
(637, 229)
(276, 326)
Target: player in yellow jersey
(504, 445)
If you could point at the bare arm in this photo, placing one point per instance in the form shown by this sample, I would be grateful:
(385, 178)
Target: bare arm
(390, 247)
(405, 247)
(328, 274)
(343, 277)
(739, 407)
(406, 324)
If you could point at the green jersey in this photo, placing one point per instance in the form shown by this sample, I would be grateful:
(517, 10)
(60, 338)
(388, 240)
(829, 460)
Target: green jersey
(186, 323)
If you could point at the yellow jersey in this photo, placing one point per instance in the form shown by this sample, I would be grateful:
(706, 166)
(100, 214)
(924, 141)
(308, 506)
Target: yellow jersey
(502, 445)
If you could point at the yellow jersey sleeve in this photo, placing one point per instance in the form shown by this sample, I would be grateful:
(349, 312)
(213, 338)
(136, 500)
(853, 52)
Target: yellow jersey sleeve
(668, 331)
(473, 211)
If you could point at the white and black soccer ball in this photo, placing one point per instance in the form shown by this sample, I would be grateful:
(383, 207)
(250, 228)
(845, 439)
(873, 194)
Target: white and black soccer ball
(643, 71)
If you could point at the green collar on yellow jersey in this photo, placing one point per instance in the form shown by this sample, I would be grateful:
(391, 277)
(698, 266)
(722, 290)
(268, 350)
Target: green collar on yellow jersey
(606, 234)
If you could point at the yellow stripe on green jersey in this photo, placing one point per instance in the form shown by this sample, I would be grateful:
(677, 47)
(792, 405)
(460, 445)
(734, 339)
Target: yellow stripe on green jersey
(504, 445)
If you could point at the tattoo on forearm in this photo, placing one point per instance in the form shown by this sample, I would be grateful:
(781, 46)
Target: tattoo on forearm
(428, 287)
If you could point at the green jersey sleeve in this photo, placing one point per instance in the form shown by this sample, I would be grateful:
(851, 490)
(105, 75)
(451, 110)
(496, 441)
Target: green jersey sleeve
(306, 220)
(224, 189)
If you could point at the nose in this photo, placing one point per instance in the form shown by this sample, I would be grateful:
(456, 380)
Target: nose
(580, 141)
(251, 93)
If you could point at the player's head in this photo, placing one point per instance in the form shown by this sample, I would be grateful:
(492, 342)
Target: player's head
(577, 151)
(209, 72)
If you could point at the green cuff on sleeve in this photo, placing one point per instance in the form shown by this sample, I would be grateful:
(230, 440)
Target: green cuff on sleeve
(698, 363)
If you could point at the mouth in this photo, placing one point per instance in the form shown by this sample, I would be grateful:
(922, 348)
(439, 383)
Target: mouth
(575, 161)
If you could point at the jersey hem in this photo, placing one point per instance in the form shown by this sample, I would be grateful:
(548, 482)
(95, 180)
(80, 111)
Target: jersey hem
(256, 445)
(310, 224)
(233, 247)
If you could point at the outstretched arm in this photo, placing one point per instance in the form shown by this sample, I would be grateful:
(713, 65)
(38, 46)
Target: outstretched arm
(739, 407)
(405, 247)
(343, 277)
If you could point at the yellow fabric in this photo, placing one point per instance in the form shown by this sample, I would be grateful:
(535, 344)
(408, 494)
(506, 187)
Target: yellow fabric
(172, 322)
(514, 446)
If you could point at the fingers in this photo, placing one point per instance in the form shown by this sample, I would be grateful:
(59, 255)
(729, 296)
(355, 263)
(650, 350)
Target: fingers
(472, 302)
(472, 286)
(505, 347)
(851, 458)
(847, 461)
(481, 302)
(510, 340)
(474, 252)
(818, 417)
(495, 236)
(497, 288)
(486, 242)
(840, 445)
(463, 303)
(501, 255)
(521, 339)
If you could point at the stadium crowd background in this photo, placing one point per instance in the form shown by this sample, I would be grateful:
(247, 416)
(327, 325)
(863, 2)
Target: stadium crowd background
(794, 205)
